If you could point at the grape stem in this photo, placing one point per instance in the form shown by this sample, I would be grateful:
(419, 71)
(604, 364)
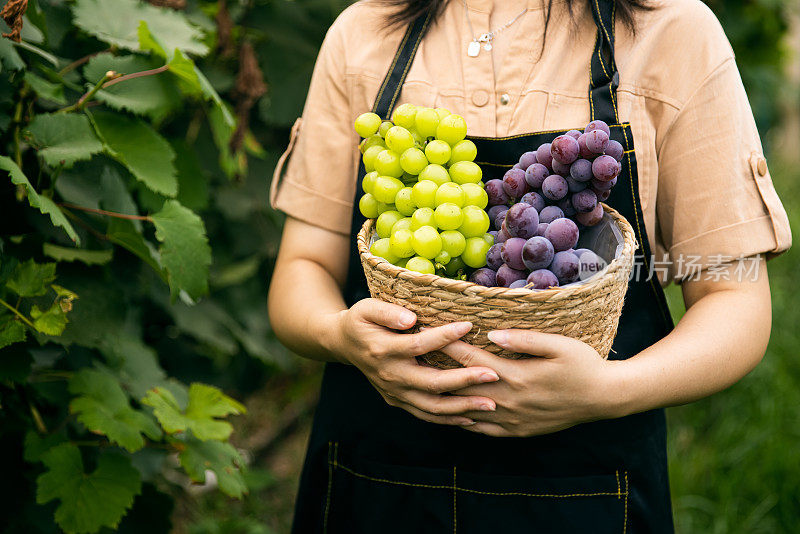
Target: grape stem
(84, 59)
(107, 213)
(17, 313)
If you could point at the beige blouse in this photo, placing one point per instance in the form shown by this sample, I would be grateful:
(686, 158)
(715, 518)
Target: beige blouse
(703, 180)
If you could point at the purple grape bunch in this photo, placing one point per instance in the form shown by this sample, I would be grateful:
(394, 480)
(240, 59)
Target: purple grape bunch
(539, 206)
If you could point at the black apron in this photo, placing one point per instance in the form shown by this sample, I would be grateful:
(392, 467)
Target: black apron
(375, 469)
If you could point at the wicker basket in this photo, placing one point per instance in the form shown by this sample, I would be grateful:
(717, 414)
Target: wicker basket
(588, 311)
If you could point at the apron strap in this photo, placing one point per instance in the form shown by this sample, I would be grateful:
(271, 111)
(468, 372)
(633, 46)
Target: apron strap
(396, 75)
(602, 68)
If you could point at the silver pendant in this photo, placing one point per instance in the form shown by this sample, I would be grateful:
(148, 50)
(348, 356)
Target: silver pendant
(473, 49)
(487, 46)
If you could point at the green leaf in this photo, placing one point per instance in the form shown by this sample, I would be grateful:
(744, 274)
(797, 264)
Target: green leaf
(117, 23)
(138, 147)
(11, 331)
(51, 322)
(192, 179)
(103, 407)
(35, 445)
(44, 204)
(153, 95)
(64, 137)
(88, 257)
(133, 361)
(31, 279)
(9, 55)
(116, 196)
(123, 232)
(89, 501)
(222, 458)
(185, 252)
(205, 405)
(45, 89)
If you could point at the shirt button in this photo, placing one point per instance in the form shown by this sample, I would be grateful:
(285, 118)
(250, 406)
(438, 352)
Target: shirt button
(505, 99)
(480, 97)
(762, 166)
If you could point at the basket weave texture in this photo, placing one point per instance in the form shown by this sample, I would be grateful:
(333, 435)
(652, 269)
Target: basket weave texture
(589, 311)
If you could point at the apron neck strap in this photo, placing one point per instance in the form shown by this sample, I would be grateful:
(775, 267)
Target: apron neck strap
(393, 82)
(602, 67)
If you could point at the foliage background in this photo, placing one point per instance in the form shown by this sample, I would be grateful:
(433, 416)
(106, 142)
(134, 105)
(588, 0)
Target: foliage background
(733, 466)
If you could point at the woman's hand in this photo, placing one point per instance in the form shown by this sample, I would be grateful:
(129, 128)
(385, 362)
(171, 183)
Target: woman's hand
(565, 384)
(365, 336)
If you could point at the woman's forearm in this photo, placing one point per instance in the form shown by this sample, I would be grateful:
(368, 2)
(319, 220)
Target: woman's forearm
(721, 338)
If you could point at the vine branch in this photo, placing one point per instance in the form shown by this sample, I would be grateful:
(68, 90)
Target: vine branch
(17, 313)
(77, 106)
(105, 212)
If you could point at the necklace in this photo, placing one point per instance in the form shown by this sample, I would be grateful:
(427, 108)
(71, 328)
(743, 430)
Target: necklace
(474, 47)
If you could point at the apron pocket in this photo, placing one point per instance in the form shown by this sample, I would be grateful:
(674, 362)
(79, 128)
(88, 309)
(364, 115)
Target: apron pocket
(366, 497)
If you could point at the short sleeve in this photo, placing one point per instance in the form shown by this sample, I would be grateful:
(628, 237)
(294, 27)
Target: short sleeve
(314, 180)
(716, 201)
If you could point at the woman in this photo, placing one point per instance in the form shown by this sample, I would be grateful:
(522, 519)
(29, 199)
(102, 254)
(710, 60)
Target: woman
(565, 442)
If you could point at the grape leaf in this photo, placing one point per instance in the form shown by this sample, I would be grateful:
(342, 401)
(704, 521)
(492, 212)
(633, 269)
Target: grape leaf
(31, 279)
(154, 95)
(46, 89)
(88, 257)
(185, 252)
(117, 23)
(35, 445)
(138, 147)
(103, 407)
(221, 458)
(89, 501)
(205, 405)
(51, 321)
(64, 137)
(124, 233)
(11, 331)
(9, 55)
(133, 361)
(44, 204)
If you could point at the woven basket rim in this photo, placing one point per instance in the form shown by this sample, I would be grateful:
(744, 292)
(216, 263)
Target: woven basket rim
(616, 266)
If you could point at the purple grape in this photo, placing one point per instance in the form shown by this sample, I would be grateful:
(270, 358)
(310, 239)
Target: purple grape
(598, 125)
(605, 168)
(511, 252)
(555, 187)
(565, 205)
(560, 168)
(527, 159)
(579, 251)
(541, 229)
(534, 199)
(584, 201)
(493, 259)
(496, 193)
(518, 284)
(602, 196)
(564, 149)
(603, 186)
(516, 166)
(565, 267)
(581, 170)
(500, 217)
(550, 214)
(614, 149)
(494, 210)
(502, 237)
(591, 218)
(575, 134)
(574, 185)
(596, 141)
(493, 233)
(543, 155)
(535, 175)
(589, 264)
(507, 276)
(537, 253)
(542, 279)
(514, 183)
(562, 233)
(522, 220)
(483, 277)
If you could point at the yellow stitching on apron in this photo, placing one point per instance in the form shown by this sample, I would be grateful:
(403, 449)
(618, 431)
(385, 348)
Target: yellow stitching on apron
(625, 521)
(328, 497)
(391, 69)
(394, 482)
(602, 62)
(455, 515)
(619, 493)
(591, 86)
(408, 65)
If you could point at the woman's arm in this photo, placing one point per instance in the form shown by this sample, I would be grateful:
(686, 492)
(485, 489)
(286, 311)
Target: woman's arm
(721, 338)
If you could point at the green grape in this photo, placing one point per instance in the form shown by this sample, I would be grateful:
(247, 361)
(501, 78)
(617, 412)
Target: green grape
(421, 265)
(369, 206)
(386, 189)
(404, 201)
(385, 222)
(435, 173)
(475, 252)
(422, 217)
(455, 267)
(442, 112)
(385, 125)
(382, 248)
(413, 161)
(476, 222)
(448, 216)
(370, 155)
(426, 242)
(451, 129)
(423, 194)
(427, 120)
(489, 238)
(367, 124)
(372, 140)
(453, 242)
(463, 151)
(451, 193)
(401, 243)
(402, 224)
(382, 207)
(399, 139)
(387, 163)
(401, 263)
(368, 182)
(437, 152)
(418, 139)
(462, 172)
(404, 115)
(443, 258)
(475, 195)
